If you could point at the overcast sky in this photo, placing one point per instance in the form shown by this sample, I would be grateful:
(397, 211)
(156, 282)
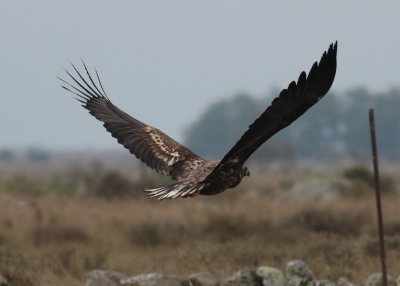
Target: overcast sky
(165, 61)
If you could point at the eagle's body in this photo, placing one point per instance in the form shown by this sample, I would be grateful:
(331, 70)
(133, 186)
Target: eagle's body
(194, 174)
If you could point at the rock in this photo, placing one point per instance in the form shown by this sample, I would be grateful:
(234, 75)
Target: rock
(241, 278)
(103, 278)
(296, 281)
(298, 273)
(3, 281)
(201, 279)
(376, 280)
(343, 281)
(152, 279)
(299, 268)
(270, 276)
(324, 282)
(398, 281)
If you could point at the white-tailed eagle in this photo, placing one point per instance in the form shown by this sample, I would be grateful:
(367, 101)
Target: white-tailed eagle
(194, 174)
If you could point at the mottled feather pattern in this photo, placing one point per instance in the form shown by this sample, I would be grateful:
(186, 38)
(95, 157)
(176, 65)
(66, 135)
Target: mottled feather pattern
(196, 175)
(150, 145)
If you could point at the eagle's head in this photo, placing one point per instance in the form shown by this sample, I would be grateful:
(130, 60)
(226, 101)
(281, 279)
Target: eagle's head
(245, 172)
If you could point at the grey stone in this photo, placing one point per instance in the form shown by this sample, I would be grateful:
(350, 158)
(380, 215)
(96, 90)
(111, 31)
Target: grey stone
(343, 281)
(297, 273)
(299, 268)
(324, 282)
(152, 279)
(103, 278)
(241, 278)
(296, 281)
(376, 280)
(201, 279)
(270, 276)
(3, 281)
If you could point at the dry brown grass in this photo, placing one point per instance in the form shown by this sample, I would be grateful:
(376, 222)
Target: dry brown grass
(55, 239)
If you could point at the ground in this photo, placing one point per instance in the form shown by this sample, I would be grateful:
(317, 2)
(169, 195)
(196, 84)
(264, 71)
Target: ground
(56, 226)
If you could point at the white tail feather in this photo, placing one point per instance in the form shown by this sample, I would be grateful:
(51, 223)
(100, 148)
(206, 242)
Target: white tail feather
(174, 191)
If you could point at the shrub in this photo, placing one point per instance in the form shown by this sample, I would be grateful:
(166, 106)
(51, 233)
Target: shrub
(16, 268)
(111, 185)
(43, 235)
(326, 220)
(360, 176)
(371, 246)
(224, 227)
(392, 228)
(21, 184)
(359, 172)
(154, 233)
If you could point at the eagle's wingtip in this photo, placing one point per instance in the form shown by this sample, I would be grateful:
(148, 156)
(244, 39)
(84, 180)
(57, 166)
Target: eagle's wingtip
(333, 47)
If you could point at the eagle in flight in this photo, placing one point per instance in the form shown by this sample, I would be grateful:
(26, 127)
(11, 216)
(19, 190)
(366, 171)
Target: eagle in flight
(194, 174)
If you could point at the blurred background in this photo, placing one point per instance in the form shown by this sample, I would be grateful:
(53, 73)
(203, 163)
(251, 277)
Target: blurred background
(201, 71)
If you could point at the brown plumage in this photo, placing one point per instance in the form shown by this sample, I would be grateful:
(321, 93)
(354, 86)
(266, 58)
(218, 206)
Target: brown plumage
(194, 174)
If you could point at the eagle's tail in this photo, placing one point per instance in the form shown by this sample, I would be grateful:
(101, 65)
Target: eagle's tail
(176, 190)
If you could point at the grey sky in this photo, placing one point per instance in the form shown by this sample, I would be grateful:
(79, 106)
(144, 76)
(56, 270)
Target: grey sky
(164, 61)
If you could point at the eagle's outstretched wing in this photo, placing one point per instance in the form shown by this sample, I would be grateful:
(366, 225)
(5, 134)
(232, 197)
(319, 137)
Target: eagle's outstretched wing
(147, 143)
(291, 103)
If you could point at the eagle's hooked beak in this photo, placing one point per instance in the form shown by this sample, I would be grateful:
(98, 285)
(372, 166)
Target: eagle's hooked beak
(245, 172)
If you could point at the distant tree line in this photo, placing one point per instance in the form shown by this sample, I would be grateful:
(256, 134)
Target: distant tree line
(334, 129)
(32, 154)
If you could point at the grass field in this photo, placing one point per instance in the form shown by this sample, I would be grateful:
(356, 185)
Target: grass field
(55, 227)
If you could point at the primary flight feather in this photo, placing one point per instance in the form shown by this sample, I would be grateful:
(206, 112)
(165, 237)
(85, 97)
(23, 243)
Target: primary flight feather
(194, 174)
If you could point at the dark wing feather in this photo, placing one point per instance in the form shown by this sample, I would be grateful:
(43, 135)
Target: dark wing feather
(291, 103)
(147, 143)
